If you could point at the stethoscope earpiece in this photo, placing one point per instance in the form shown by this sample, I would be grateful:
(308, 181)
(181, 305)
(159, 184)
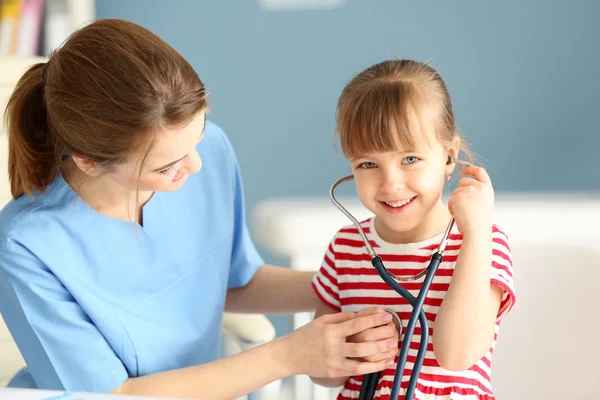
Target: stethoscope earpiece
(452, 160)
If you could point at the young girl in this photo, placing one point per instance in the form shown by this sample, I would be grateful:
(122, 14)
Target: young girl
(397, 130)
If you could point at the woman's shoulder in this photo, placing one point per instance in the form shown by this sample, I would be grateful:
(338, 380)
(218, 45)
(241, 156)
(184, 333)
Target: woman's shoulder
(19, 215)
(15, 213)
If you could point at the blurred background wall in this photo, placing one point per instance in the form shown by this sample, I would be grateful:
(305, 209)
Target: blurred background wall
(523, 77)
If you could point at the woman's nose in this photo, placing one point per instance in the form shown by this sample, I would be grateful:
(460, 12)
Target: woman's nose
(194, 163)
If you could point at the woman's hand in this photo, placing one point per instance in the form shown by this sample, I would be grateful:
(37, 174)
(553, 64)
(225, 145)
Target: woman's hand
(386, 333)
(321, 347)
(472, 203)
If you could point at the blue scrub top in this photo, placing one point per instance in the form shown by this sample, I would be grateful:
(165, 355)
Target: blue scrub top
(91, 300)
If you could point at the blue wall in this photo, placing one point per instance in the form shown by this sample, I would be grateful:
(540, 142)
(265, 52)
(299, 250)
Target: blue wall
(523, 75)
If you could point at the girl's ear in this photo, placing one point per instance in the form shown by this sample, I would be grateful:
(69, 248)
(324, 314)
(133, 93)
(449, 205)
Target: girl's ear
(453, 150)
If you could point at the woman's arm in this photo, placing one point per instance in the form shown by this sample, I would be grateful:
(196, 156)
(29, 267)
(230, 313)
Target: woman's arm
(274, 290)
(227, 378)
(316, 349)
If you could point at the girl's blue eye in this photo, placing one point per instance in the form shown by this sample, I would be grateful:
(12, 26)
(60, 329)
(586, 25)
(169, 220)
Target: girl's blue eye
(410, 160)
(368, 165)
(168, 171)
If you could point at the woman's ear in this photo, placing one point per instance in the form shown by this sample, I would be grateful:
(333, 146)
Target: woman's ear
(87, 166)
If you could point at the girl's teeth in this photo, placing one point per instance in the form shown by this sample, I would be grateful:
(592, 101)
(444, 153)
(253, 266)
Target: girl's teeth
(398, 203)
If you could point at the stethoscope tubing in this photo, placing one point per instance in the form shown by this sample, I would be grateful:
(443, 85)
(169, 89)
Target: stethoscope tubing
(369, 384)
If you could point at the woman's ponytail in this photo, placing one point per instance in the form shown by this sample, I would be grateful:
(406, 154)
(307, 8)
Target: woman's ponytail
(33, 159)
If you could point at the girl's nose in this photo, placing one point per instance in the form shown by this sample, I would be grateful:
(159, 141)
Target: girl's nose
(392, 182)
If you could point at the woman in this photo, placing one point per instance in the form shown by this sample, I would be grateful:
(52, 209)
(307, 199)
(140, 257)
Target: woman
(118, 259)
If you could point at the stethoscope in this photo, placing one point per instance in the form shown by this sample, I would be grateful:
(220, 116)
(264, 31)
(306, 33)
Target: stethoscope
(369, 383)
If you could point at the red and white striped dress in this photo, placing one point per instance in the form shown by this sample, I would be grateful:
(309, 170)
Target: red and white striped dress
(348, 282)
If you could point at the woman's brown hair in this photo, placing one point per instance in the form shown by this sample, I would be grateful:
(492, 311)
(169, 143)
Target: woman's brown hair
(392, 103)
(103, 96)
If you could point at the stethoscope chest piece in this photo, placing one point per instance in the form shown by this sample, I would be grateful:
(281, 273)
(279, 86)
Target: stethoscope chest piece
(397, 322)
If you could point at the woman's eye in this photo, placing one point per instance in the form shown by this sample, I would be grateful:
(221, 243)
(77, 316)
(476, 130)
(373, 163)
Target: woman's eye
(368, 165)
(168, 171)
(410, 160)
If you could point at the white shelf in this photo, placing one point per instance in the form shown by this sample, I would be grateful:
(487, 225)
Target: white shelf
(13, 67)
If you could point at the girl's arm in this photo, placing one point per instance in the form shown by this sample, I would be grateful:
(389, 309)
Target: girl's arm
(465, 324)
(274, 290)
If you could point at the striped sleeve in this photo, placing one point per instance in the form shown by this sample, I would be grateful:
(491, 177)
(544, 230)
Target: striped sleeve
(502, 270)
(325, 281)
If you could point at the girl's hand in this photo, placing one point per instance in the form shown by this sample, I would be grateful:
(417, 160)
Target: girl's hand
(472, 203)
(320, 348)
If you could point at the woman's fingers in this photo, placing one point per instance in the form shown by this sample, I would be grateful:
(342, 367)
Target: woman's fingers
(355, 368)
(358, 350)
(338, 318)
(361, 324)
(381, 356)
(387, 331)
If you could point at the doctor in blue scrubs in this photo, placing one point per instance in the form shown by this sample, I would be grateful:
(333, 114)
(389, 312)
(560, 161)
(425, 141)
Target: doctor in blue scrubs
(126, 239)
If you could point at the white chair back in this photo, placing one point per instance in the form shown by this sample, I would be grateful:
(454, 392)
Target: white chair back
(547, 347)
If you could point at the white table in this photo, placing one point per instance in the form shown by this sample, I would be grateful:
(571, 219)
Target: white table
(31, 394)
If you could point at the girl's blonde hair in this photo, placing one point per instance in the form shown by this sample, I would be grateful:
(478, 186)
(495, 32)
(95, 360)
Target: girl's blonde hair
(393, 104)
